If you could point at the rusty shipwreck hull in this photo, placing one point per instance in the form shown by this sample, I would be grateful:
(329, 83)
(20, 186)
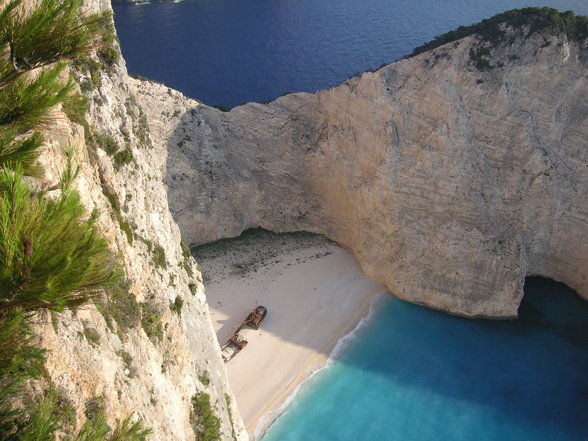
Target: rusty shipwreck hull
(236, 343)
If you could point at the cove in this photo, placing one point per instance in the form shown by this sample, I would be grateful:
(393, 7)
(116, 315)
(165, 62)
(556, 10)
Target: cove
(419, 375)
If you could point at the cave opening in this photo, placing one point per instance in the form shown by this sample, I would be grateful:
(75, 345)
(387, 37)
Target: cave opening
(553, 306)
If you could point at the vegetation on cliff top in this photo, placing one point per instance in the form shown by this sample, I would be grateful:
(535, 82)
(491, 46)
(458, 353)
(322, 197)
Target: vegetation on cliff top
(527, 20)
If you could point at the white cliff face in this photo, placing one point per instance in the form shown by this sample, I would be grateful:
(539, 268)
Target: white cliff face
(96, 362)
(449, 184)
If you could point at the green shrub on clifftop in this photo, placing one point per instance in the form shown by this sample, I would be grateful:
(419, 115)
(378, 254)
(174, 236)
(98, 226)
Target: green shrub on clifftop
(527, 20)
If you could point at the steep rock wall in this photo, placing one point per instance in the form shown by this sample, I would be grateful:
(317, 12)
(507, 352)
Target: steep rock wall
(448, 183)
(98, 364)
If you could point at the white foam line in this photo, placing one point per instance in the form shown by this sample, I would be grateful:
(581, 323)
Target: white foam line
(148, 2)
(272, 416)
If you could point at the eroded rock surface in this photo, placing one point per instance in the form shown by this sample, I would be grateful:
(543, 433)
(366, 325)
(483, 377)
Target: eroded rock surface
(448, 183)
(136, 357)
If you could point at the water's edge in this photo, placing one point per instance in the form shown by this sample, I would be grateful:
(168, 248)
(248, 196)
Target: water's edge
(266, 421)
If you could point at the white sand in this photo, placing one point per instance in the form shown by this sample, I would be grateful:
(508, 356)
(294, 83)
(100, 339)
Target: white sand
(315, 294)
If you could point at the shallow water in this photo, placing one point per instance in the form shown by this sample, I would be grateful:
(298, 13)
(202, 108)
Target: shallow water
(419, 375)
(232, 51)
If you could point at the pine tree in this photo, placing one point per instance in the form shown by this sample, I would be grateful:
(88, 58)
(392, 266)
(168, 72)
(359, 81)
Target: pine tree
(34, 44)
(51, 253)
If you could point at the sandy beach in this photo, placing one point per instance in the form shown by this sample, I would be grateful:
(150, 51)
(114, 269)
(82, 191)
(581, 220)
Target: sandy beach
(315, 294)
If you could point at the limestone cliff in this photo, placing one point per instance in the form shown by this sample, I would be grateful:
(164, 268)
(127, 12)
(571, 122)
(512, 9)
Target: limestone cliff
(451, 175)
(144, 352)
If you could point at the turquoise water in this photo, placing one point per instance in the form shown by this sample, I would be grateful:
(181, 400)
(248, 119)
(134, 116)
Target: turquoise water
(232, 51)
(418, 375)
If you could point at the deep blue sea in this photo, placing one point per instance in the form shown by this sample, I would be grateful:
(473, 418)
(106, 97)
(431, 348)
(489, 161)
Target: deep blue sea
(418, 375)
(233, 51)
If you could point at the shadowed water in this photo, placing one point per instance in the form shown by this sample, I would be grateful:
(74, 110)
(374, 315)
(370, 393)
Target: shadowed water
(420, 375)
(232, 51)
